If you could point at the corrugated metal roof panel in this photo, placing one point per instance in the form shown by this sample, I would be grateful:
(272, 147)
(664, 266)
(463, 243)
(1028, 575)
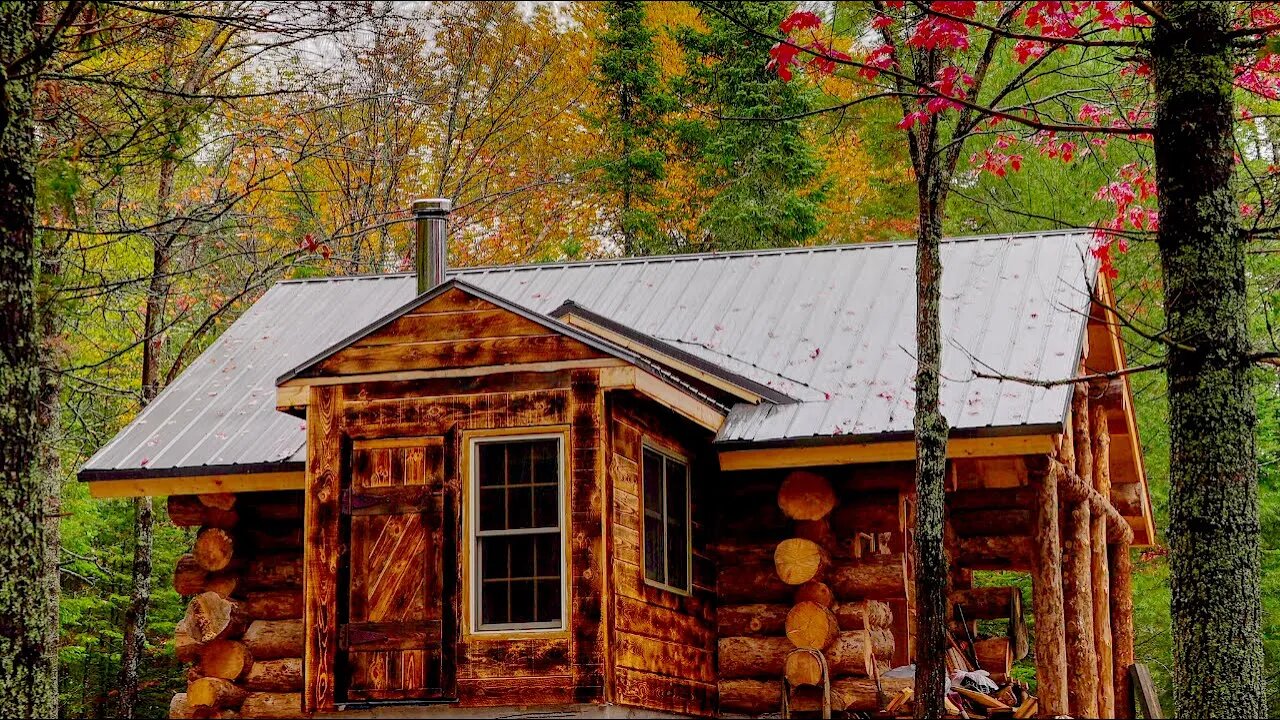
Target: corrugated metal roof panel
(832, 327)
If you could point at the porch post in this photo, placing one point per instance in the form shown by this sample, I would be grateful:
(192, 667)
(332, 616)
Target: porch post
(1046, 567)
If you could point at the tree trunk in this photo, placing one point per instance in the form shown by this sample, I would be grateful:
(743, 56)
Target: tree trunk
(931, 571)
(135, 618)
(26, 684)
(1213, 501)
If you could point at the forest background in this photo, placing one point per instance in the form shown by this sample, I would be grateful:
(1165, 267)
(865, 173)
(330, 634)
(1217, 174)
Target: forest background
(190, 159)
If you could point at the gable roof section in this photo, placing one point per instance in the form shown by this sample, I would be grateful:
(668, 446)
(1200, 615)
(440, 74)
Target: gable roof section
(831, 327)
(400, 355)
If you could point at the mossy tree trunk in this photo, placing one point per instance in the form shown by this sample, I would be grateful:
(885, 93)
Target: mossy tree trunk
(26, 686)
(1213, 504)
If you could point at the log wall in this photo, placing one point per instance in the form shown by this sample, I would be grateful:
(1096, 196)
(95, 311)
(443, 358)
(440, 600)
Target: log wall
(664, 642)
(242, 634)
(810, 559)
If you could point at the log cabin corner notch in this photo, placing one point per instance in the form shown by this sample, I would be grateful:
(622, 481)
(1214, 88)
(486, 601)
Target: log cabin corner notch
(644, 421)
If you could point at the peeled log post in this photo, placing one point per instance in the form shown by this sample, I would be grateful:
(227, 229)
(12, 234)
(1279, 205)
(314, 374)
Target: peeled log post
(274, 639)
(994, 552)
(1099, 572)
(1077, 604)
(811, 626)
(806, 495)
(874, 576)
(815, 592)
(283, 675)
(863, 614)
(212, 617)
(213, 549)
(1122, 625)
(1051, 650)
(798, 561)
(215, 693)
(188, 511)
(226, 659)
(272, 705)
(273, 604)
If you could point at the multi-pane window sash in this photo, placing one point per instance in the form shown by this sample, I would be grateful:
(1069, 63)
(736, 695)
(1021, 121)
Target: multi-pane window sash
(518, 534)
(667, 550)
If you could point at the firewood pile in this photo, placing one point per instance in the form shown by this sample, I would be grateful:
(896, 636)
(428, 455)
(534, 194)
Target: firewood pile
(970, 697)
(812, 593)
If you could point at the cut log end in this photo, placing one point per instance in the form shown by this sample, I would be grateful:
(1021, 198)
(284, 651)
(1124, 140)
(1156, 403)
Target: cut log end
(798, 561)
(213, 549)
(811, 626)
(226, 659)
(806, 495)
(816, 592)
(215, 693)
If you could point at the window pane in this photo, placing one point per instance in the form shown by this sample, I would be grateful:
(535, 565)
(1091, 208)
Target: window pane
(495, 558)
(654, 560)
(519, 507)
(492, 459)
(522, 610)
(548, 600)
(652, 483)
(546, 461)
(521, 557)
(677, 524)
(546, 506)
(547, 547)
(492, 509)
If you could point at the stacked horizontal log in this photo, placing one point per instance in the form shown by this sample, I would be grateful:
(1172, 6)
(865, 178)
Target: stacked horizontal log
(242, 633)
(785, 606)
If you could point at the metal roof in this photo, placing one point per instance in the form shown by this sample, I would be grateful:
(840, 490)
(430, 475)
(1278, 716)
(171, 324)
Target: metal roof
(832, 327)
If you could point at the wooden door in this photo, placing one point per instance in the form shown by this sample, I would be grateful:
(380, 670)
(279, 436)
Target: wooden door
(395, 621)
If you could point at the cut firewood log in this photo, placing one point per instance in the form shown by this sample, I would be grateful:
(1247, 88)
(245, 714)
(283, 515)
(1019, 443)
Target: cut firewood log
(188, 511)
(274, 639)
(995, 655)
(876, 577)
(891, 687)
(272, 705)
(899, 701)
(803, 667)
(275, 572)
(179, 708)
(754, 620)
(994, 552)
(226, 659)
(982, 699)
(185, 647)
(811, 626)
(221, 501)
(223, 583)
(1028, 708)
(215, 693)
(798, 561)
(860, 614)
(213, 549)
(282, 675)
(273, 604)
(212, 617)
(815, 592)
(806, 495)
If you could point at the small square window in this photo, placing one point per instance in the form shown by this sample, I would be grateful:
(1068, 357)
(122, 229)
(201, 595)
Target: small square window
(667, 551)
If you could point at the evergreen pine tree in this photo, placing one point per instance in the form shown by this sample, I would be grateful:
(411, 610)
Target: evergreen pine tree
(762, 170)
(635, 105)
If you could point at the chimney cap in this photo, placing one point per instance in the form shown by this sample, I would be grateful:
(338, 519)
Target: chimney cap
(432, 206)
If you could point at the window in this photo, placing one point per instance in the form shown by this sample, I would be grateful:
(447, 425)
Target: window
(518, 575)
(666, 521)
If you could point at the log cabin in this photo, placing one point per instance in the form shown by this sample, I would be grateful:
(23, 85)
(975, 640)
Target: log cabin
(676, 486)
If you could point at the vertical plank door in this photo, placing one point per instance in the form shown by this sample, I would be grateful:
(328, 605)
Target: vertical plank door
(397, 604)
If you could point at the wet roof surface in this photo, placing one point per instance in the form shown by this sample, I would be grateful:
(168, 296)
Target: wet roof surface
(832, 327)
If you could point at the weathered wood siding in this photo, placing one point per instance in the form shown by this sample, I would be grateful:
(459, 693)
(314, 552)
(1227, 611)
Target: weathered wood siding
(664, 642)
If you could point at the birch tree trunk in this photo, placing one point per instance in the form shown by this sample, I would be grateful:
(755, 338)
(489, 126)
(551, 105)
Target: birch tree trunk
(26, 687)
(1213, 501)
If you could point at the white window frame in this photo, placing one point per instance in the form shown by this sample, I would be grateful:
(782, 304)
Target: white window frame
(476, 584)
(688, 523)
